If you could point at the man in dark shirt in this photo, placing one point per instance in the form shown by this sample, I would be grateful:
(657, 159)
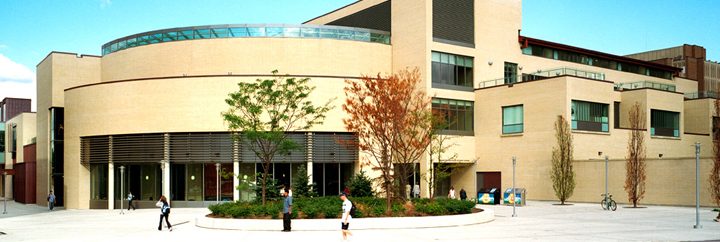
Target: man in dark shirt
(287, 209)
(463, 194)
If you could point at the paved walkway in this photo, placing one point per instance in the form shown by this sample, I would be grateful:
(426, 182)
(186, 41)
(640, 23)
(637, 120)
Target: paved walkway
(538, 221)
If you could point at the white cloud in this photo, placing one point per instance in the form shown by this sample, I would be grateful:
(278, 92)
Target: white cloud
(11, 71)
(17, 81)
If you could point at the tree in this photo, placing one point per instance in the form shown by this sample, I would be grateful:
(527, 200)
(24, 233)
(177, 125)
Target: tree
(439, 146)
(715, 173)
(263, 112)
(392, 117)
(562, 173)
(360, 185)
(302, 187)
(635, 164)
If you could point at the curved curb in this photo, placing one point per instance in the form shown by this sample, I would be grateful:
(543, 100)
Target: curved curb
(485, 216)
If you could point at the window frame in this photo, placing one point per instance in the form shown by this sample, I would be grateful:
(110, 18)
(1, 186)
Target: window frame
(451, 109)
(575, 122)
(446, 70)
(676, 129)
(522, 121)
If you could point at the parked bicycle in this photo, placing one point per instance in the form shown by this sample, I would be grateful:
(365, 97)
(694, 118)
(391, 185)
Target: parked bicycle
(608, 203)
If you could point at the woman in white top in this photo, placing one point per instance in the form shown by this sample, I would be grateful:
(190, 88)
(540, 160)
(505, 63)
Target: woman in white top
(346, 216)
(451, 194)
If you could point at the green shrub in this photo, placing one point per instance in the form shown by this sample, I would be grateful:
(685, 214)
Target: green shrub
(302, 187)
(360, 185)
(330, 207)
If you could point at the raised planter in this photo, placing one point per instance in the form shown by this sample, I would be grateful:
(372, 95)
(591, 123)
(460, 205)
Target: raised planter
(356, 224)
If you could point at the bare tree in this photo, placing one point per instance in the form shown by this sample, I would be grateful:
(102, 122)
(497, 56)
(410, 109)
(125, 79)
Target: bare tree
(715, 173)
(439, 146)
(635, 166)
(562, 173)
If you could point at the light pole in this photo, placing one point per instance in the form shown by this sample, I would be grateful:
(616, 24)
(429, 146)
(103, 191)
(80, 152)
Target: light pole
(514, 194)
(122, 187)
(697, 186)
(217, 184)
(606, 178)
(4, 193)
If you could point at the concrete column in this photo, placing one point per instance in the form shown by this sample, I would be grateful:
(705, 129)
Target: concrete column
(165, 166)
(111, 186)
(310, 157)
(236, 169)
(111, 175)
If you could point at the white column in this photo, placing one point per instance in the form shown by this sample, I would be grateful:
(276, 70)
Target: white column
(165, 166)
(310, 158)
(236, 180)
(111, 186)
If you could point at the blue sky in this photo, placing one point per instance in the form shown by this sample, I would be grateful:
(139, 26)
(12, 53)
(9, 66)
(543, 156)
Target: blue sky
(29, 30)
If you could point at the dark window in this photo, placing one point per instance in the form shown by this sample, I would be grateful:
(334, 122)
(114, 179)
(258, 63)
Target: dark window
(716, 128)
(512, 119)
(452, 71)
(664, 123)
(13, 147)
(589, 116)
(510, 73)
(594, 61)
(616, 115)
(454, 22)
(458, 114)
(2, 141)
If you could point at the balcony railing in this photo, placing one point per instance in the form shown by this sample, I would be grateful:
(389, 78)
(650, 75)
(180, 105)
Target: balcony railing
(698, 95)
(247, 31)
(645, 84)
(539, 75)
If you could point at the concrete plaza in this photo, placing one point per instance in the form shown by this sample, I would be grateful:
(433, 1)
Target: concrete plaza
(537, 221)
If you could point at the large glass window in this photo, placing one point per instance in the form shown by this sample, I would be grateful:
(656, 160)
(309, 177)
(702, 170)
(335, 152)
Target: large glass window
(664, 123)
(510, 73)
(458, 114)
(194, 189)
(99, 181)
(226, 183)
(589, 116)
(452, 70)
(512, 119)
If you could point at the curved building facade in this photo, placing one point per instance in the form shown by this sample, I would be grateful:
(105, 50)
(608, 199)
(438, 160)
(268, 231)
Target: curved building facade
(145, 116)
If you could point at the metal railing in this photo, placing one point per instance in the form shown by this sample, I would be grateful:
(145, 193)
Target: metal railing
(563, 71)
(247, 31)
(698, 95)
(645, 84)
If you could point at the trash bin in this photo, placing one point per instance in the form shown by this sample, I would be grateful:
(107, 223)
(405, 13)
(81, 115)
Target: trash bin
(489, 196)
(518, 197)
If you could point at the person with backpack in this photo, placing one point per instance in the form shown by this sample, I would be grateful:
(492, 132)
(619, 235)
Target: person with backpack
(130, 199)
(164, 212)
(347, 211)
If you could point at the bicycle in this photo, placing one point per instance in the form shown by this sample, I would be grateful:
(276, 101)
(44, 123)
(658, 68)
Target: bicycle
(608, 203)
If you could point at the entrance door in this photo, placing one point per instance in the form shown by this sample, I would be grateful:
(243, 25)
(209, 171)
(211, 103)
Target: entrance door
(489, 180)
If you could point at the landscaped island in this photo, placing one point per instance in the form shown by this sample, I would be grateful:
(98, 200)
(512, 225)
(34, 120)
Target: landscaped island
(329, 207)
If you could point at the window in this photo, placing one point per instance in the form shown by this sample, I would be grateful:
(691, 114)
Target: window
(510, 73)
(2, 138)
(99, 181)
(664, 123)
(458, 115)
(589, 116)
(616, 115)
(452, 71)
(512, 119)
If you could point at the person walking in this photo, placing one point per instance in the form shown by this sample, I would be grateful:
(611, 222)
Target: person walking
(130, 199)
(164, 212)
(287, 210)
(346, 216)
(463, 194)
(451, 194)
(51, 200)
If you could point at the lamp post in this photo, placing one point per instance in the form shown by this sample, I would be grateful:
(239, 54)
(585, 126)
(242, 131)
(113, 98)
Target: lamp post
(4, 193)
(606, 178)
(514, 194)
(697, 186)
(217, 184)
(122, 187)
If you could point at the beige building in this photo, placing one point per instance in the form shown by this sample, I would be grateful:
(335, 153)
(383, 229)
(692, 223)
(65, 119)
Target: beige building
(145, 116)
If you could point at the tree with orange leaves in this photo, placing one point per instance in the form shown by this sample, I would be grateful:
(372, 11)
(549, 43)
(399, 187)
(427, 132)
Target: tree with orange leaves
(393, 120)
